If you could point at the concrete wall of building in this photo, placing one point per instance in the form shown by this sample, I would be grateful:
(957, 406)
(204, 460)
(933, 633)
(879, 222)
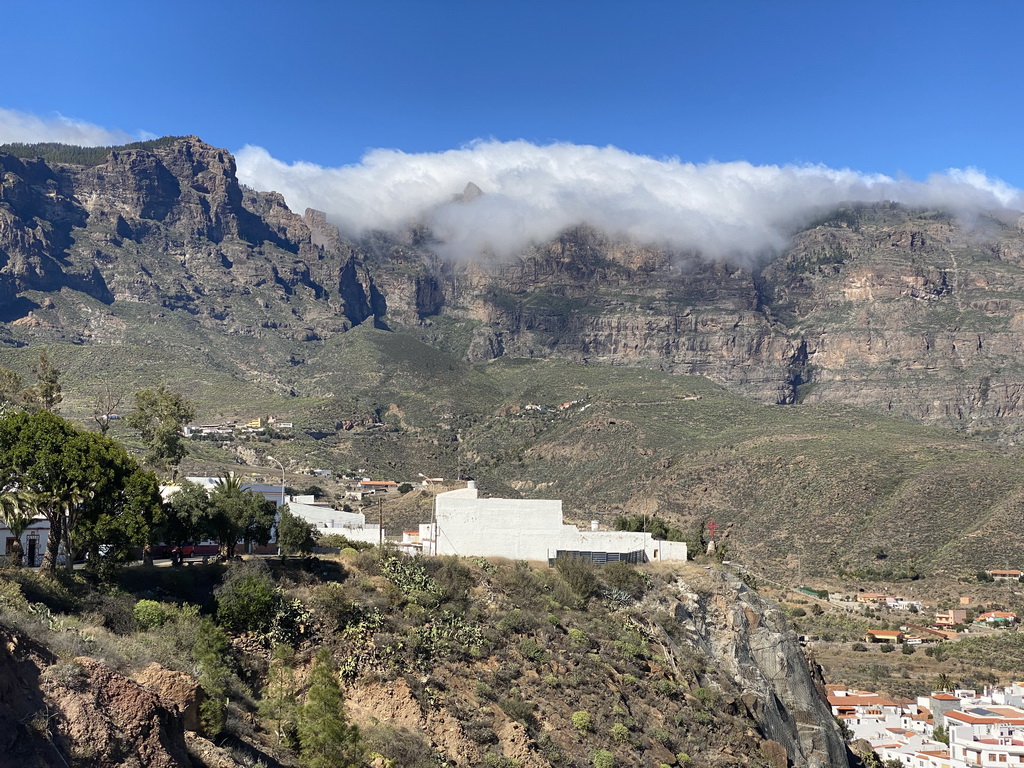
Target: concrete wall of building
(525, 529)
(38, 532)
(325, 517)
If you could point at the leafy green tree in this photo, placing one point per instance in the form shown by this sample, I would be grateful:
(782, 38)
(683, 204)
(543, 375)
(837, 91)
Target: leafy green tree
(237, 513)
(294, 534)
(10, 391)
(326, 740)
(188, 514)
(159, 416)
(88, 488)
(46, 394)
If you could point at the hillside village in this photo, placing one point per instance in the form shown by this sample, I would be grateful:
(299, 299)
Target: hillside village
(946, 729)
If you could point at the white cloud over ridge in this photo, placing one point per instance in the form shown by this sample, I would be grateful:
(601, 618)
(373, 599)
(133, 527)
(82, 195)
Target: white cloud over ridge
(531, 193)
(22, 127)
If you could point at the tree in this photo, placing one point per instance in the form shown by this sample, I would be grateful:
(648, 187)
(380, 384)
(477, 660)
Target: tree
(159, 416)
(294, 534)
(87, 487)
(278, 702)
(10, 391)
(236, 513)
(210, 652)
(108, 400)
(46, 394)
(17, 509)
(326, 740)
(187, 515)
(944, 683)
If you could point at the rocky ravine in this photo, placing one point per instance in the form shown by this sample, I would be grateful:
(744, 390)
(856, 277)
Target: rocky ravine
(914, 312)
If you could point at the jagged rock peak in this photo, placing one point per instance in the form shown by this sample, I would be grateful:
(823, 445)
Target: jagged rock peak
(470, 193)
(322, 232)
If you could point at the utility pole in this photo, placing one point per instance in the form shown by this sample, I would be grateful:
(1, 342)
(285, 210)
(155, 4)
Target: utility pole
(380, 523)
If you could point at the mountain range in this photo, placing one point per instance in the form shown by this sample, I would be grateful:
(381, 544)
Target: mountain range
(831, 362)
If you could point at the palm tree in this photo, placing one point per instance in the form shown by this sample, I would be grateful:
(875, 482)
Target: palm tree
(61, 506)
(17, 509)
(944, 683)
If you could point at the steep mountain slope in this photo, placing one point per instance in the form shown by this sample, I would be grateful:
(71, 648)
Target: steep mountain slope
(911, 311)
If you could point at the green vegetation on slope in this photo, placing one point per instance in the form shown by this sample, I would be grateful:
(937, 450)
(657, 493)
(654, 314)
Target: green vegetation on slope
(72, 154)
(440, 657)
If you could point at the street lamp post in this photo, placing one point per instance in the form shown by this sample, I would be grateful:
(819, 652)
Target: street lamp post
(277, 517)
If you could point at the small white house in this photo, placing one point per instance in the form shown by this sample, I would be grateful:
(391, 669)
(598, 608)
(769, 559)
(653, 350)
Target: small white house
(33, 541)
(530, 529)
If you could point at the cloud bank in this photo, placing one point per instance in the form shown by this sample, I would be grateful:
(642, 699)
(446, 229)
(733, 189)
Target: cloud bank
(22, 127)
(532, 192)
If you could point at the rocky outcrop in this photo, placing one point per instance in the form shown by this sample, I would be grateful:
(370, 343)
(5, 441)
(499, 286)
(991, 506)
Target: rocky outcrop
(80, 712)
(176, 688)
(748, 640)
(107, 719)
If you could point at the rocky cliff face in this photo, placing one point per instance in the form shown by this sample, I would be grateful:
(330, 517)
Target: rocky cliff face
(751, 642)
(914, 312)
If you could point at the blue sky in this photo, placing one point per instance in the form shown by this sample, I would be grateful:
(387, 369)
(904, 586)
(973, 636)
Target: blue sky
(722, 126)
(889, 87)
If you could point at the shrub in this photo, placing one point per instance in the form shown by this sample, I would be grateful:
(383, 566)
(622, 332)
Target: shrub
(626, 578)
(149, 614)
(619, 733)
(580, 574)
(518, 709)
(581, 722)
(886, 648)
(858, 647)
(342, 542)
(515, 622)
(602, 758)
(578, 637)
(531, 650)
(706, 697)
(248, 600)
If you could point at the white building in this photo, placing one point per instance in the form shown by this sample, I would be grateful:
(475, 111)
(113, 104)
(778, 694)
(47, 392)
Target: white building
(989, 736)
(351, 525)
(530, 529)
(33, 541)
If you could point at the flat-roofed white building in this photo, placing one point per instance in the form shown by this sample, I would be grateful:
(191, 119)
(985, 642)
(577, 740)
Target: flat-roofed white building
(530, 529)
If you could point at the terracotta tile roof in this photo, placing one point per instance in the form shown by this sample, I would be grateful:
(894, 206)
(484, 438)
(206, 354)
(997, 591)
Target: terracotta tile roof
(996, 615)
(988, 715)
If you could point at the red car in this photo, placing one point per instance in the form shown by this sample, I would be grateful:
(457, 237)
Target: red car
(185, 550)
